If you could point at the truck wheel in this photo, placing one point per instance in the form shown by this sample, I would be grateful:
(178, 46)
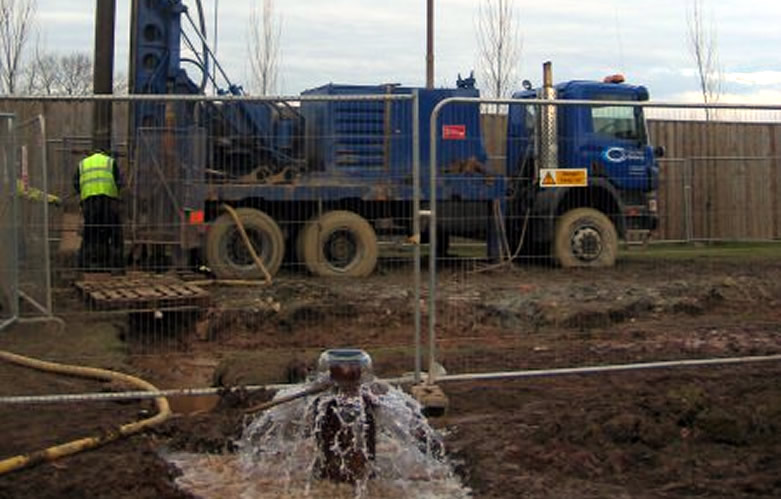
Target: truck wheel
(227, 254)
(585, 237)
(339, 243)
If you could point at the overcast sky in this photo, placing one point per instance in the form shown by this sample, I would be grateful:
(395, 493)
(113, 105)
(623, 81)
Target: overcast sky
(371, 41)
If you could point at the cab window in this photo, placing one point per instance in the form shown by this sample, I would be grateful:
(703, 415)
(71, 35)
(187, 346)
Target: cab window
(618, 122)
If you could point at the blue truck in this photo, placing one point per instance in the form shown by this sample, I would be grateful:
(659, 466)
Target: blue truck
(321, 182)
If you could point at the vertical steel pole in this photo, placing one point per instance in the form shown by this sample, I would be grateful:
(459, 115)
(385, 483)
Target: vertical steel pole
(103, 72)
(416, 228)
(10, 157)
(432, 236)
(45, 200)
(15, 213)
(430, 44)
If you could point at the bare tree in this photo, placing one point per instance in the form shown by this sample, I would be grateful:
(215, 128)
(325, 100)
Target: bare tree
(75, 74)
(17, 18)
(500, 46)
(31, 76)
(703, 47)
(55, 74)
(265, 30)
(43, 71)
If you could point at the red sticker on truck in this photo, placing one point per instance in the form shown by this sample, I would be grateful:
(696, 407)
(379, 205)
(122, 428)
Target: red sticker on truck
(454, 132)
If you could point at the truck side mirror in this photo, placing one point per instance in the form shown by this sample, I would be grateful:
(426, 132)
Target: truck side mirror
(659, 151)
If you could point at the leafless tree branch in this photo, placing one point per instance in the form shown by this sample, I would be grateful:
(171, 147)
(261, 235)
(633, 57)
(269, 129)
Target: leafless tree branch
(500, 46)
(43, 69)
(50, 73)
(76, 74)
(265, 30)
(703, 47)
(17, 18)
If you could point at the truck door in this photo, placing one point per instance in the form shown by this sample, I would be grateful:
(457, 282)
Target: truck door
(619, 147)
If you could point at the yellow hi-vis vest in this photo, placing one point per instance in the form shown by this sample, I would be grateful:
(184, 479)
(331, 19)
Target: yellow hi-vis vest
(96, 177)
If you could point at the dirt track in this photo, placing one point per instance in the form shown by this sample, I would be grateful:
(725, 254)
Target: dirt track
(711, 432)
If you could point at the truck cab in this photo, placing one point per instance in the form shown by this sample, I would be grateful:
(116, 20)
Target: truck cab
(609, 143)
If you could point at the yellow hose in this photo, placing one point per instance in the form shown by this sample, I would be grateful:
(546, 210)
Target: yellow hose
(76, 446)
(247, 242)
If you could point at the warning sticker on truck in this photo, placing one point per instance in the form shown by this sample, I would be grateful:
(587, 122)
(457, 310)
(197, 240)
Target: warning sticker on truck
(564, 177)
(454, 132)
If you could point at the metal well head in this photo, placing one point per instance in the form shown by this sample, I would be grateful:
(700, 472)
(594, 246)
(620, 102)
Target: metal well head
(346, 366)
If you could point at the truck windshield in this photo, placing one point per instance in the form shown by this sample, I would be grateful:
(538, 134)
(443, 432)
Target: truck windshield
(619, 122)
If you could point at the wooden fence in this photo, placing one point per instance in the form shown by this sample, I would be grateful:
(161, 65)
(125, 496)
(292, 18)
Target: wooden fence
(719, 180)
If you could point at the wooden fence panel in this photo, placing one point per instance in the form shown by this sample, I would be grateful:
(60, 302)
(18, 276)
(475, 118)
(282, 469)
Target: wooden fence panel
(734, 179)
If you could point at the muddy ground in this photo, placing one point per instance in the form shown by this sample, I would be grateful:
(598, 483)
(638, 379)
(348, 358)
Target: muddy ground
(704, 432)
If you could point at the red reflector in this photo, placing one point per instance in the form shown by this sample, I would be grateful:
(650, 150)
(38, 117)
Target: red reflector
(197, 217)
(454, 132)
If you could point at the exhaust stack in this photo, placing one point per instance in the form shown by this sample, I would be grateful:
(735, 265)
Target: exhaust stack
(547, 139)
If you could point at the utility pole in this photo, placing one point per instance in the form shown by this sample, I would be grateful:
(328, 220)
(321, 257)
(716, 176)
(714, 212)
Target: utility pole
(103, 72)
(430, 45)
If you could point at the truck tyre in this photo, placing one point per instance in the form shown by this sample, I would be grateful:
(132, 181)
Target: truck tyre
(339, 243)
(585, 237)
(227, 254)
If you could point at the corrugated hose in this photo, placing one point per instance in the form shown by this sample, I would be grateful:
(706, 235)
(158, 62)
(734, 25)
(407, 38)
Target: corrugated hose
(76, 446)
(247, 242)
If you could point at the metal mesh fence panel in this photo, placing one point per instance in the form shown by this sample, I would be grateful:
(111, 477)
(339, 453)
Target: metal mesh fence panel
(325, 195)
(323, 187)
(34, 262)
(9, 300)
(599, 275)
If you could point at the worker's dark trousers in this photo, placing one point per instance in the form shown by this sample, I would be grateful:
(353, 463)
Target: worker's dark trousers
(102, 245)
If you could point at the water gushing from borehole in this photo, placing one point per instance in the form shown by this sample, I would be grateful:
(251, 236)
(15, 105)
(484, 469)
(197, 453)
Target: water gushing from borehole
(359, 438)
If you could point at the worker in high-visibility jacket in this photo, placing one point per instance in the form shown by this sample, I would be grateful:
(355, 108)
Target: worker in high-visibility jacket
(98, 181)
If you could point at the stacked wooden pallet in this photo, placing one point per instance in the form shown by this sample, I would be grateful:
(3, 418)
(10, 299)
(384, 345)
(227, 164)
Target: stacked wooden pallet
(140, 291)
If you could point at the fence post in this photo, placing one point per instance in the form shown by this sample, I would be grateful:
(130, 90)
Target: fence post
(686, 177)
(432, 240)
(35, 285)
(416, 227)
(44, 165)
(9, 219)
